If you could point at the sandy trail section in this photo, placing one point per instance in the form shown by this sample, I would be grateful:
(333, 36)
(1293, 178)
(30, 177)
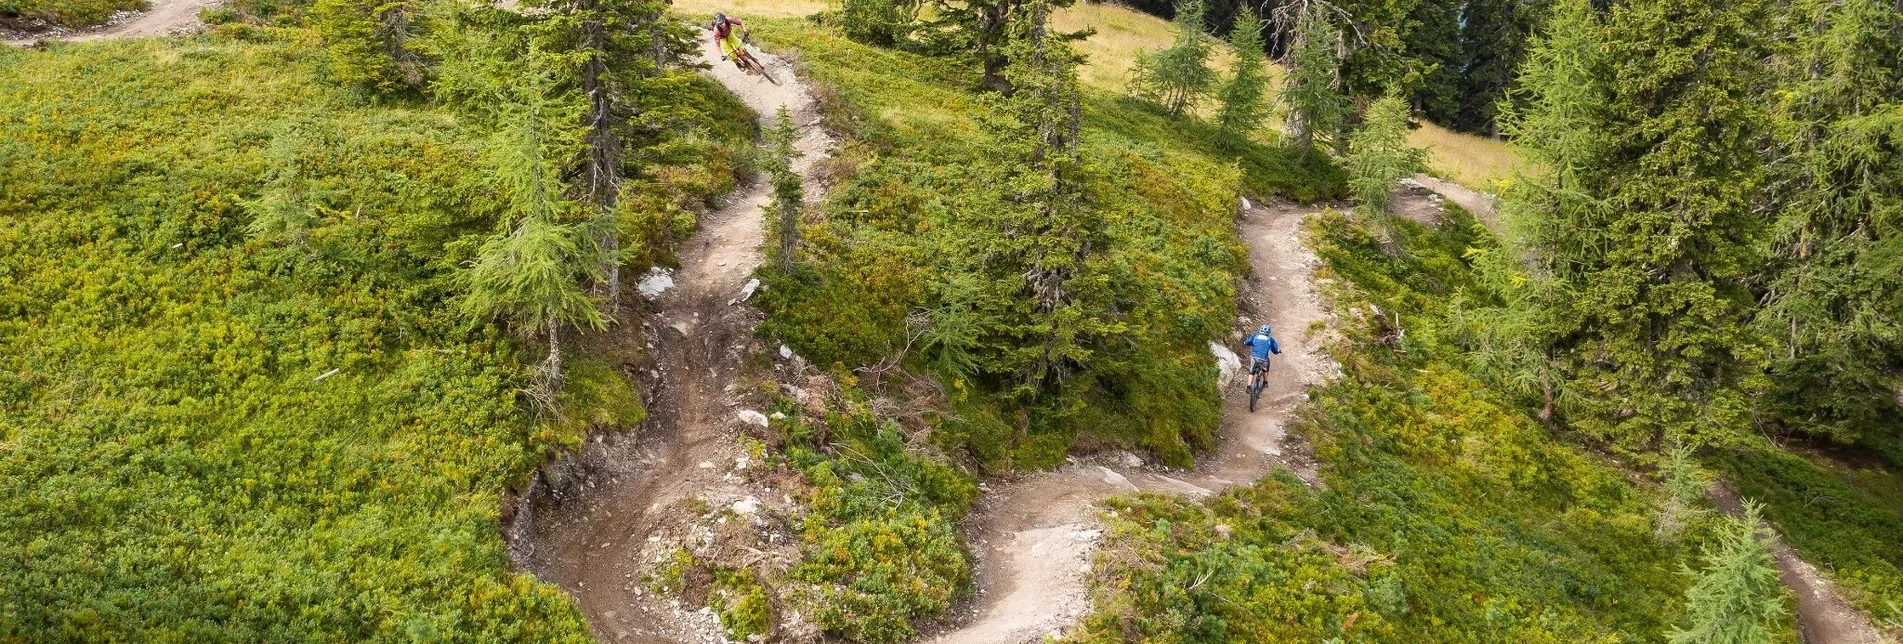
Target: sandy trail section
(593, 533)
(1035, 537)
(164, 17)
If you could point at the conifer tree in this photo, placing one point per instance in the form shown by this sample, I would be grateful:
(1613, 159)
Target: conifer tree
(1179, 76)
(1048, 232)
(1494, 37)
(372, 43)
(284, 212)
(1433, 44)
(1835, 311)
(532, 272)
(1312, 92)
(1736, 598)
(789, 196)
(882, 23)
(1242, 104)
(1378, 155)
(983, 30)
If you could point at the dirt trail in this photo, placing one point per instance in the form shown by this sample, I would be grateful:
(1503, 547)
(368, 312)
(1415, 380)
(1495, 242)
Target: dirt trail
(164, 17)
(590, 529)
(1482, 205)
(1035, 537)
(1823, 617)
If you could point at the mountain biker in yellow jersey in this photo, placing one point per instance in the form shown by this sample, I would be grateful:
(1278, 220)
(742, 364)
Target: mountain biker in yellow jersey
(728, 38)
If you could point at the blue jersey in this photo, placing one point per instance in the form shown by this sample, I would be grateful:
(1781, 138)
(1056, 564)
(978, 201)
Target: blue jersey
(1261, 345)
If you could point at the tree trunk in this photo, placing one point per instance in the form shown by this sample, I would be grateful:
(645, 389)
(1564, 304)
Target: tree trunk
(601, 171)
(552, 368)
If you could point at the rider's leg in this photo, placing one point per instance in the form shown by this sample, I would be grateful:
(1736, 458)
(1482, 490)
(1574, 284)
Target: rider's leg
(731, 47)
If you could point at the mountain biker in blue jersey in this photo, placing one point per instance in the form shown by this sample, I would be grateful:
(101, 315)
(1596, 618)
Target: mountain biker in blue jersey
(1260, 346)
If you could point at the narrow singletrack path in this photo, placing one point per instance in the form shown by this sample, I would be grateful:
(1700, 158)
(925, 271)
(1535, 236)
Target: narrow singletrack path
(589, 536)
(163, 17)
(1823, 616)
(1035, 536)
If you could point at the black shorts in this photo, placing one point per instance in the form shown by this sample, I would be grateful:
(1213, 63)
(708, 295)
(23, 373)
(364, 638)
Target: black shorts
(1258, 365)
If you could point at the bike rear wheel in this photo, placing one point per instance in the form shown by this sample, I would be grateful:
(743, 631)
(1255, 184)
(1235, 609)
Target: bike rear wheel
(1255, 392)
(754, 63)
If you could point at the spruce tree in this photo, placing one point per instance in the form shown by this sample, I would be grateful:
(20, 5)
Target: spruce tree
(789, 196)
(1736, 598)
(1494, 37)
(882, 23)
(1177, 77)
(1312, 92)
(982, 29)
(1432, 43)
(1835, 310)
(1242, 105)
(1643, 235)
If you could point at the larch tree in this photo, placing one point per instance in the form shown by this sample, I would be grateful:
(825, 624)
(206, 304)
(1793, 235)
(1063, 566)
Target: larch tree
(1379, 156)
(1737, 598)
(1177, 77)
(1242, 99)
(532, 272)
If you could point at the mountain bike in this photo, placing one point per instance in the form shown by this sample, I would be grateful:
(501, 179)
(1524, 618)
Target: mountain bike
(745, 56)
(1258, 379)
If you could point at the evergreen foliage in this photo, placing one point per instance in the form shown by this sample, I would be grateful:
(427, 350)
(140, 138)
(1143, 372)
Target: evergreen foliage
(881, 23)
(373, 44)
(1243, 104)
(1379, 157)
(981, 29)
(1737, 598)
(1434, 47)
(1494, 37)
(1835, 311)
(789, 196)
(1178, 77)
(1312, 94)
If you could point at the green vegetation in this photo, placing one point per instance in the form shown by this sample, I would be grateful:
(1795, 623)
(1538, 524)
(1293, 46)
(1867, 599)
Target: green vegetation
(65, 13)
(896, 261)
(1242, 105)
(238, 398)
(1737, 598)
(1179, 77)
(1444, 511)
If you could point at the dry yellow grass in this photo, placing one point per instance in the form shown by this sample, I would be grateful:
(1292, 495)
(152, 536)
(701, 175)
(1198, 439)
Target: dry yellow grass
(744, 9)
(1477, 162)
(1122, 32)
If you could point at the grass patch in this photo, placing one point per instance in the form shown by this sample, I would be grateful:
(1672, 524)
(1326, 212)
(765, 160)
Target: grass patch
(1445, 513)
(206, 436)
(1471, 160)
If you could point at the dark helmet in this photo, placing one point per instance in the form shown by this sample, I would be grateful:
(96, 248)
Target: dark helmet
(719, 17)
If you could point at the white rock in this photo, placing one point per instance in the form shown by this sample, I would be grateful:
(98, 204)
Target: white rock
(656, 283)
(776, 416)
(706, 465)
(786, 352)
(747, 505)
(752, 417)
(746, 292)
(1228, 364)
(741, 463)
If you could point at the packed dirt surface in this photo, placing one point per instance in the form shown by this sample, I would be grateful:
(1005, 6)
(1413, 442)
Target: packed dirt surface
(163, 18)
(600, 521)
(1823, 617)
(1482, 205)
(1035, 537)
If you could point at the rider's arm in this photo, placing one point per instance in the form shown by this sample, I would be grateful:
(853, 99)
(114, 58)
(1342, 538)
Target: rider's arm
(1273, 347)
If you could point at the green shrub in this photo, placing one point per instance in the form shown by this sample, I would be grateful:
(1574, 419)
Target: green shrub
(213, 437)
(71, 14)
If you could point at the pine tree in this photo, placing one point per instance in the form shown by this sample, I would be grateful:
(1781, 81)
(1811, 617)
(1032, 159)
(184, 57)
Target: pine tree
(1379, 157)
(1179, 76)
(1242, 104)
(789, 196)
(1312, 92)
(1736, 598)
(1048, 232)
(1836, 308)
